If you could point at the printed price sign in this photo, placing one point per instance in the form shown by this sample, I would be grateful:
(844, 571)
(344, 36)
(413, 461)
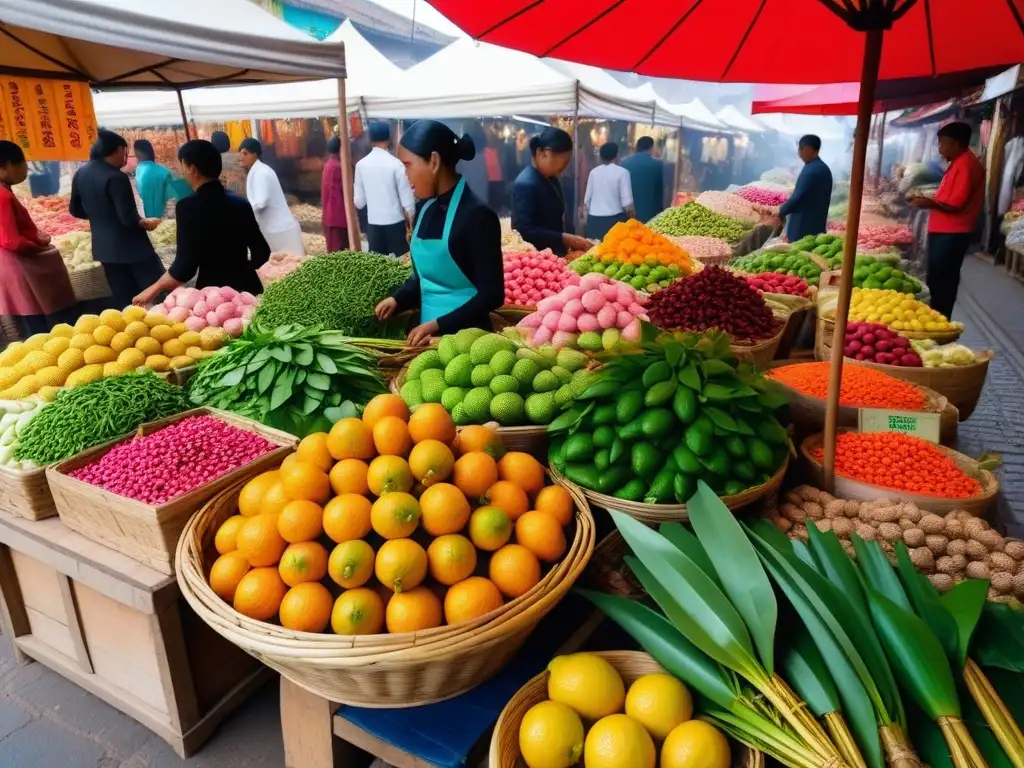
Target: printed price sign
(916, 423)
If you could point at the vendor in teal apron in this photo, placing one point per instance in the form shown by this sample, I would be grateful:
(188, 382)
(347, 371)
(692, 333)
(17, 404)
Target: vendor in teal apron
(457, 275)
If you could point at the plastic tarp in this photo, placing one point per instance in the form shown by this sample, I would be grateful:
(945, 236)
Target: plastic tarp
(736, 119)
(142, 43)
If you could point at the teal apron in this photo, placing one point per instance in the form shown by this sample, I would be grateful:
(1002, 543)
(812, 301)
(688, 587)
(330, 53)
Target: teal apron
(443, 286)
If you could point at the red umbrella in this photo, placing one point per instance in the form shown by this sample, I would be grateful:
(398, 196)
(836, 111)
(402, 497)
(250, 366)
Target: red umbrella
(766, 41)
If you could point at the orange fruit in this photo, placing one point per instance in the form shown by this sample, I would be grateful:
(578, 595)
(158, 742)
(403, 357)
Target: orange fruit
(347, 517)
(395, 515)
(508, 497)
(349, 476)
(523, 470)
(431, 421)
(452, 558)
(444, 509)
(260, 541)
(431, 462)
(542, 534)
(391, 437)
(305, 481)
(351, 563)
(313, 450)
(307, 608)
(274, 500)
(479, 439)
(382, 406)
(474, 473)
(401, 565)
(388, 474)
(228, 533)
(302, 562)
(358, 612)
(259, 594)
(557, 502)
(489, 528)
(227, 571)
(350, 439)
(514, 569)
(253, 491)
(300, 521)
(471, 599)
(412, 611)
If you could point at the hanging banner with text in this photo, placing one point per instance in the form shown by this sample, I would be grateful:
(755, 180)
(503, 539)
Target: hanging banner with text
(48, 119)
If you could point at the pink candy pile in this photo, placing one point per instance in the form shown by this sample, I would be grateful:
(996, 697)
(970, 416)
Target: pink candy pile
(770, 197)
(534, 275)
(214, 307)
(174, 460)
(876, 236)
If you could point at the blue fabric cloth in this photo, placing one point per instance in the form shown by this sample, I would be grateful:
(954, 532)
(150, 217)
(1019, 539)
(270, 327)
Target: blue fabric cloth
(155, 184)
(807, 207)
(538, 211)
(647, 177)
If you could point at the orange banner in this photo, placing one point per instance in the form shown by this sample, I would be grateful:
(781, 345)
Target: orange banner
(48, 119)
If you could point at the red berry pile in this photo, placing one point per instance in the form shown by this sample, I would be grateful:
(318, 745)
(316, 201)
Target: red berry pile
(770, 282)
(878, 343)
(172, 461)
(713, 298)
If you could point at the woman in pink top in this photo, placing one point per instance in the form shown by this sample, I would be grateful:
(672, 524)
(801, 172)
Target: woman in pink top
(333, 199)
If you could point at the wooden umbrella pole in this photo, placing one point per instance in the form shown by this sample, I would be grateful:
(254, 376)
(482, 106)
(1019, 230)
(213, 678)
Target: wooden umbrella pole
(868, 81)
(184, 117)
(355, 240)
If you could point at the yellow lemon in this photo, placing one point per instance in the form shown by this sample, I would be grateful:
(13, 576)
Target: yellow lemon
(104, 335)
(121, 341)
(62, 329)
(695, 744)
(587, 683)
(113, 319)
(82, 341)
(132, 314)
(56, 345)
(659, 702)
(136, 330)
(87, 324)
(618, 741)
(551, 736)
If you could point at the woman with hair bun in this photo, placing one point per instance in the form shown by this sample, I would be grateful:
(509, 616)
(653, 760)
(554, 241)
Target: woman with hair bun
(456, 242)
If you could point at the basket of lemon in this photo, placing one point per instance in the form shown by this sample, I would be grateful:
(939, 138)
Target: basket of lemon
(900, 311)
(388, 563)
(633, 708)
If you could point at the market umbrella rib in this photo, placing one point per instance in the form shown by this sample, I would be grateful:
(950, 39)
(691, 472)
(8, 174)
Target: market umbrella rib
(671, 31)
(575, 32)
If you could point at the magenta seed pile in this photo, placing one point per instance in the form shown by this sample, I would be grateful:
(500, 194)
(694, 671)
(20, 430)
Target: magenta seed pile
(174, 460)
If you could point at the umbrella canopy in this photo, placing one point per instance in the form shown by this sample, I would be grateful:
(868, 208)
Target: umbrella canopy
(746, 40)
(142, 44)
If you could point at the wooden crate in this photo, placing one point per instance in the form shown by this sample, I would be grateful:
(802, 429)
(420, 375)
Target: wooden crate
(143, 532)
(119, 630)
(26, 493)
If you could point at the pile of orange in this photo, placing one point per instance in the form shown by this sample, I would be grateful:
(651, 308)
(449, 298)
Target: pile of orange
(391, 522)
(631, 242)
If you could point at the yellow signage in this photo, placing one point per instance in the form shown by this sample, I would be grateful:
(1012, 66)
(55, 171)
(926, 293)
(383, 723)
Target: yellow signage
(48, 119)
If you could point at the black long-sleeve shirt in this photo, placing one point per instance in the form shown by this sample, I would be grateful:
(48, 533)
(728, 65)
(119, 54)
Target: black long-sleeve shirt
(102, 194)
(538, 211)
(475, 247)
(218, 236)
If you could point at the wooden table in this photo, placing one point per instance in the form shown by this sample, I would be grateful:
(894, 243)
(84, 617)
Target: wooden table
(321, 734)
(118, 629)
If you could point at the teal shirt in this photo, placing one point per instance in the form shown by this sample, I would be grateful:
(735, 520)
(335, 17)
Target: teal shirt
(156, 187)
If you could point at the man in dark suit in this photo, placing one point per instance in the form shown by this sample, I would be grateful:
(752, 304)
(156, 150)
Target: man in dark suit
(102, 194)
(807, 207)
(218, 236)
(646, 174)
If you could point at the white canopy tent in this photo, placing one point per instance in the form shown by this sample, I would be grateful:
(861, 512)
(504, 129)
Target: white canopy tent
(696, 113)
(733, 117)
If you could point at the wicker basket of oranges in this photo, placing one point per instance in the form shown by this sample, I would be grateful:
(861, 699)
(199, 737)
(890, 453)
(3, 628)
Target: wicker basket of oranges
(390, 562)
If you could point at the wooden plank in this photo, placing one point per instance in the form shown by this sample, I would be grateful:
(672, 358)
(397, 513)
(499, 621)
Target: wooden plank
(40, 586)
(51, 633)
(392, 755)
(306, 728)
(13, 618)
(74, 624)
(175, 672)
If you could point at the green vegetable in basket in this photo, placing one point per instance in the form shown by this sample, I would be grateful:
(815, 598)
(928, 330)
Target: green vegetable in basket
(97, 412)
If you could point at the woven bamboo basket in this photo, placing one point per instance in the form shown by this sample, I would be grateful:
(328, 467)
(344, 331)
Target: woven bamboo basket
(961, 385)
(608, 572)
(387, 670)
(663, 513)
(513, 313)
(141, 531)
(630, 665)
(26, 493)
(89, 283)
(826, 326)
(791, 333)
(530, 439)
(846, 488)
(762, 353)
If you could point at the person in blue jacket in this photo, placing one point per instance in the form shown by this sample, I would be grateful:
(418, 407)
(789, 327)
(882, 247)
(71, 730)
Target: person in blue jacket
(458, 274)
(647, 175)
(807, 207)
(154, 181)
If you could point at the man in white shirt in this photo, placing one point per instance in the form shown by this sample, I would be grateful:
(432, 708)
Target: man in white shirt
(382, 187)
(609, 196)
(280, 228)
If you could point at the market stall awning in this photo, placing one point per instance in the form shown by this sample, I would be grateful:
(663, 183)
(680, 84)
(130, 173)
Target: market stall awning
(736, 119)
(697, 113)
(144, 44)
(799, 125)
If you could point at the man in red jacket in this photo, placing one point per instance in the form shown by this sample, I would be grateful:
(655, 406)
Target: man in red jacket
(954, 214)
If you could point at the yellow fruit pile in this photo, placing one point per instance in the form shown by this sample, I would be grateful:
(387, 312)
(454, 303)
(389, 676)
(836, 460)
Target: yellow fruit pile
(107, 344)
(900, 311)
(626, 725)
(419, 525)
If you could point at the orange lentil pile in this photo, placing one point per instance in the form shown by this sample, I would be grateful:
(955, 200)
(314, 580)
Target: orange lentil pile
(901, 462)
(862, 387)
